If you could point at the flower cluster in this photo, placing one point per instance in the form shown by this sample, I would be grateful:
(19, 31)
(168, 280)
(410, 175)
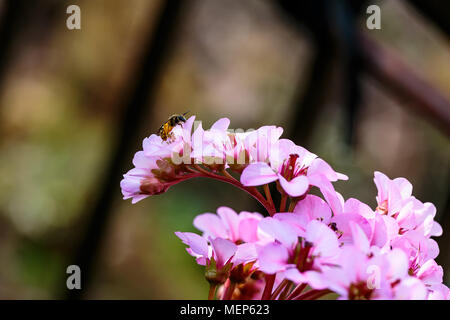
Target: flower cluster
(308, 246)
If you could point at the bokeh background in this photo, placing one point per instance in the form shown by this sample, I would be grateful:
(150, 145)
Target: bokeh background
(76, 104)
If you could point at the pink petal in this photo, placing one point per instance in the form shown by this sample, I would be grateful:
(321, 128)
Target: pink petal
(380, 235)
(231, 221)
(138, 198)
(187, 128)
(324, 239)
(392, 227)
(294, 275)
(280, 152)
(248, 229)
(343, 224)
(295, 187)
(279, 230)
(297, 220)
(211, 225)
(410, 289)
(221, 124)
(319, 166)
(197, 142)
(313, 207)
(355, 206)
(198, 244)
(245, 252)
(257, 174)
(140, 160)
(223, 250)
(395, 200)
(273, 258)
(381, 181)
(398, 264)
(327, 189)
(360, 239)
(430, 272)
(315, 279)
(306, 157)
(436, 230)
(404, 186)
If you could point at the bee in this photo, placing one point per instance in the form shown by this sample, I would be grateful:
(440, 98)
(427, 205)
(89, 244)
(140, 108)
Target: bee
(165, 131)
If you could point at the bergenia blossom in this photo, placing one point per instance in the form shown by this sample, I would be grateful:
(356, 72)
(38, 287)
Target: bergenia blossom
(305, 247)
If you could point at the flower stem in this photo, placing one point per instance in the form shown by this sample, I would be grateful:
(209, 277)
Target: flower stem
(292, 205)
(278, 290)
(283, 202)
(229, 291)
(286, 290)
(251, 190)
(212, 291)
(270, 280)
(228, 175)
(312, 294)
(202, 170)
(319, 294)
(297, 291)
(268, 194)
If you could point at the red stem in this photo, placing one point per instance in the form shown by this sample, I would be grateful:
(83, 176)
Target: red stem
(283, 202)
(270, 280)
(278, 290)
(229, 291)
(268, 195)
(297, 291)
(212, 291)
(312, 294)
(286, 291)
(251, 190)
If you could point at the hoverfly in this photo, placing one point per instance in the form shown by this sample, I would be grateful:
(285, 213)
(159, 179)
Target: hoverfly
(165, 130)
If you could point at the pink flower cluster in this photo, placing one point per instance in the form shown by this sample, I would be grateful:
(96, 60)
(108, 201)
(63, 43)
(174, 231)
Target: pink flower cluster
(307, 246)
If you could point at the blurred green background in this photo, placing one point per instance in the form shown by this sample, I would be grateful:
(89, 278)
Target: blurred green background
(60, 106)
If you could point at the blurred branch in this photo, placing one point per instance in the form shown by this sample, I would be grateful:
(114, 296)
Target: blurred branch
(136, 106)
(382, 64)
(309, 101)
(437, 12)
(403, 83)
(332, 26)
(346, 13)
(9, 28)
(23, 21)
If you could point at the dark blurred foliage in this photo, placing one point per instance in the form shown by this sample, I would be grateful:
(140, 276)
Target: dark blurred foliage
(64, 96)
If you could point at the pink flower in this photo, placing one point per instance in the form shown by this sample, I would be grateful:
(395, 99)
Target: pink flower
(359, 276)
(209, 146)
(410, 288)
(227, 224)
(285, 253)
(395, 199)
(421, 253)
(438, 292)
(429, 272)
(198, 247)
(262, 144)
(293, 166)
(310, 208)
(331, 244)
(391, 193)
(222, 248)
(153, 174)
(221, 251)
